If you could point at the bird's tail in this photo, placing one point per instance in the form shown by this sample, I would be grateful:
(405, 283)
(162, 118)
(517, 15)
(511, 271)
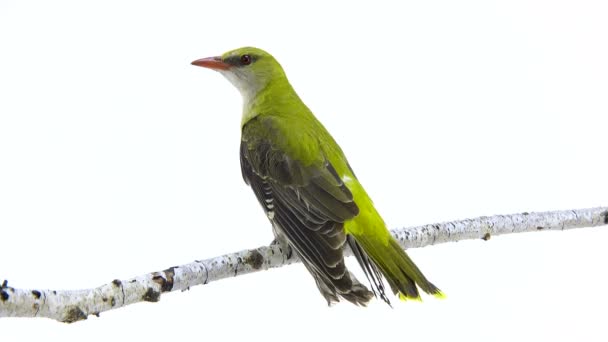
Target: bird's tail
(401, 273)
(379, 254)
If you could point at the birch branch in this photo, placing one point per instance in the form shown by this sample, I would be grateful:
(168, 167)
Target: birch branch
(75, 305)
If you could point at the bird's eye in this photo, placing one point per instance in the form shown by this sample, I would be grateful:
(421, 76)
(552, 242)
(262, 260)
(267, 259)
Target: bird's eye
(245, 59)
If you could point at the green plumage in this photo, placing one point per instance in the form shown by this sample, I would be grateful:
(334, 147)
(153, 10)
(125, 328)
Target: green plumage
(308, 190)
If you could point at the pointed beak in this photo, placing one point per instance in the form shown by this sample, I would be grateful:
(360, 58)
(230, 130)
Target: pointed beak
(214, 63)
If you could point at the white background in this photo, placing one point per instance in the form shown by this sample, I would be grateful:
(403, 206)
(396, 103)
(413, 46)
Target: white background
(117, 158)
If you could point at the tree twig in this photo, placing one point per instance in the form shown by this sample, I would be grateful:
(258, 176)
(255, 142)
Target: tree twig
(74, 305)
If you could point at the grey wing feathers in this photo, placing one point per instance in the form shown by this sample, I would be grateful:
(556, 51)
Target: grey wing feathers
(308, 205)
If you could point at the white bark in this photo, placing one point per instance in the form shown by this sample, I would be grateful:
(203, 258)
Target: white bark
(74, 305)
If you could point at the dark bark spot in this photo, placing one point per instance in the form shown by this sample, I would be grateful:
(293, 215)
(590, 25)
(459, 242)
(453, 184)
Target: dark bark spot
(116, 282)
(35, 306)
(151, 295)
(4, 290)
(157, 278)
(486, 237)
(166, 281)
(96, 314)
(255, 259)
(36, 294)
(170, 276)
(112, 301)
(525, 213)
(74, 314)
(540, 228)
(54, 292)
(605, 213)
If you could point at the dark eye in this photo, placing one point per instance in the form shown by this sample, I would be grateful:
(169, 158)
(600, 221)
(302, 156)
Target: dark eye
(245, 59)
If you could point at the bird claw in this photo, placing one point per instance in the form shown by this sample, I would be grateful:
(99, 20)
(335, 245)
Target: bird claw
(284, 247)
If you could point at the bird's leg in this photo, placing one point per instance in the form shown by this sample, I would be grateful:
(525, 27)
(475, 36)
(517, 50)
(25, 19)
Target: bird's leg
(281, 241)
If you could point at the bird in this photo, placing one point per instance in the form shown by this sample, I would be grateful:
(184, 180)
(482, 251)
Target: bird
(308, 190)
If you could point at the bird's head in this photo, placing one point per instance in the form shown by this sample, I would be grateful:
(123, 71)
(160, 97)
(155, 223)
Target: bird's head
(249, 69)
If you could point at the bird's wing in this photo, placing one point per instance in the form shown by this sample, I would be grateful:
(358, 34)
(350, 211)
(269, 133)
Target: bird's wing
(307, 204)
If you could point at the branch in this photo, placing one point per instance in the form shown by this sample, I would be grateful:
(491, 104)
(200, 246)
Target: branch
(74, 305)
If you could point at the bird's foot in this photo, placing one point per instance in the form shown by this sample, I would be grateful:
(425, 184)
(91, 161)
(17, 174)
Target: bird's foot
(284, 247)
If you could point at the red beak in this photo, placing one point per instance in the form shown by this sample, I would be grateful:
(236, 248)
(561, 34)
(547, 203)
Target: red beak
(214, 63)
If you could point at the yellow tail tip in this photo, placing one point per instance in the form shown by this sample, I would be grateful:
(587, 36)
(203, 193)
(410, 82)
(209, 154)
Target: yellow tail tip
(405, 298)
(438, 295)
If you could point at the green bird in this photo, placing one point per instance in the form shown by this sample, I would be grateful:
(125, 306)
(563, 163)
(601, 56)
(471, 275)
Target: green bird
(308, 190)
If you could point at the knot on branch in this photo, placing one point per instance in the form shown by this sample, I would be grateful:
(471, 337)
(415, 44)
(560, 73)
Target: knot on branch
(255, 259)
(4, 291)
(165, 278)
(74, 314)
